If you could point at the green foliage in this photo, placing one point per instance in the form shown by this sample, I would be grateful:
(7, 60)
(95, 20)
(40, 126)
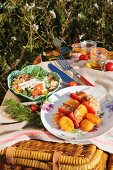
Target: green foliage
(21, 113)
(16, 110)
(27, 27)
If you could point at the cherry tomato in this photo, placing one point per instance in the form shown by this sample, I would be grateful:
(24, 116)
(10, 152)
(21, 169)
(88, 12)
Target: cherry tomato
(84, 57)
(109, 66)
(74, 119)
(34, 107)
(72, 83)
(75, 97)
(89, 108)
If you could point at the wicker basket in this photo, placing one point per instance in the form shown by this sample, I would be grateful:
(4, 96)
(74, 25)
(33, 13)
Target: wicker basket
(110, 162)
(52, 156)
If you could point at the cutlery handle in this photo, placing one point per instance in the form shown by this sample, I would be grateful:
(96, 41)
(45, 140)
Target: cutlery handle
(81, 77)
(86, 81)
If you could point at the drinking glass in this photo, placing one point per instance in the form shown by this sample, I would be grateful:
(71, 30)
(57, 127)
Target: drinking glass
(76, 51)
(87, 46)
(98, 58)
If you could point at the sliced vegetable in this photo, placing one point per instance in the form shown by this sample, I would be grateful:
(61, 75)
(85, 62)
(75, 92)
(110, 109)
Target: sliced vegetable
(75, 97)
(89, 108)
(66, 124)
(61, 110)
(74, 119)
(93, 118)
(86, 125)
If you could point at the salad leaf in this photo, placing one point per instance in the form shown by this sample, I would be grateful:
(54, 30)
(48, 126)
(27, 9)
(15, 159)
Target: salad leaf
(47, 84)
(39, 73)
(26, 92)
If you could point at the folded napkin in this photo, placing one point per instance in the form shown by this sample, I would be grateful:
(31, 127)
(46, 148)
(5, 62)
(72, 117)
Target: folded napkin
(100, 79)
(104, 142)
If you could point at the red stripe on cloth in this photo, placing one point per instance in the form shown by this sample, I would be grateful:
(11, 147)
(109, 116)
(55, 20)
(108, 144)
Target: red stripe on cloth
(32, 133)
(102, 142)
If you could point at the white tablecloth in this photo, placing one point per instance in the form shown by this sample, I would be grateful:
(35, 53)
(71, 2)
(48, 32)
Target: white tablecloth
(100, 79)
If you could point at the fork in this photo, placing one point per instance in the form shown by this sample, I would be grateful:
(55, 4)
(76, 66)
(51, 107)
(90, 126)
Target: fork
(66, 66)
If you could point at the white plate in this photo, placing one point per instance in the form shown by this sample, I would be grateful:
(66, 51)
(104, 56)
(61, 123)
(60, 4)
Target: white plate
(50, 107)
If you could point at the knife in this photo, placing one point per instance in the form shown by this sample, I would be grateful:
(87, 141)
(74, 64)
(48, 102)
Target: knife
(63, 76)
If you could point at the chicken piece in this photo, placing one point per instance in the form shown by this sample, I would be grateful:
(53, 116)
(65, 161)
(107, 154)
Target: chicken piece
(23, 76)
(80, 112)
(73, 103)
(54, 84)
(68, 107)
(92, 101)
(82, 95)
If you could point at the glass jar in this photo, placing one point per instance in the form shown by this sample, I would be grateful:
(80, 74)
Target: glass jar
(87, 46)
(98, 58)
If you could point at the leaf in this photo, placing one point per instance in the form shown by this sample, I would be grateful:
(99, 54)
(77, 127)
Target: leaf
(16, 110)
(21, 113)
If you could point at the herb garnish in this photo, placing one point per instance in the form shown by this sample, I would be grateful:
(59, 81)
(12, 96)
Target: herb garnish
(19, 112)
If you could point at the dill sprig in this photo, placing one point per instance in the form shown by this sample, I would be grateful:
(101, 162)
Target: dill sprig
(35, 120)
(16, 110)
(19, 112)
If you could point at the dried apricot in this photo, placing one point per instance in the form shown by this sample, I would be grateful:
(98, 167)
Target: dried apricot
(86, 125)
(93, 118)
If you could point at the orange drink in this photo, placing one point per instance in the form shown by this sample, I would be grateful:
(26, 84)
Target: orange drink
(87, 46)
(98, 58)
